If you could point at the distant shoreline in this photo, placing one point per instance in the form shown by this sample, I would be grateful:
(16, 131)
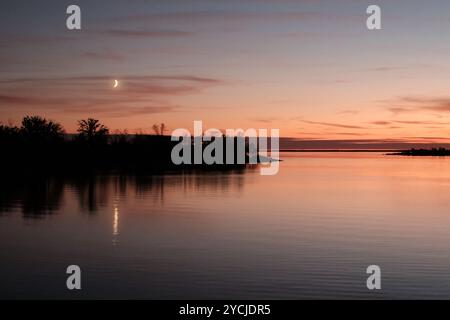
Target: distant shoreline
(390, 152)
(341, 150)
(441, 152)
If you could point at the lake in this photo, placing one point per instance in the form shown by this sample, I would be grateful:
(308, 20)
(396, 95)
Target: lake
(309, 232)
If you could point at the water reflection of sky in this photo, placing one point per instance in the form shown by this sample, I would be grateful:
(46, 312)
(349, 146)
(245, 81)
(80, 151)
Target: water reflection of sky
(308, 232)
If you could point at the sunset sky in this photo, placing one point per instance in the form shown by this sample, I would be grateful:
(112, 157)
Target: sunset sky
(309, 68)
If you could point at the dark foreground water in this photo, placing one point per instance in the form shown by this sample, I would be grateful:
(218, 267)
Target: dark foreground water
(308, 232)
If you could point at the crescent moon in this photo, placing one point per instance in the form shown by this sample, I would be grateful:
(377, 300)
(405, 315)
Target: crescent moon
(116, 83)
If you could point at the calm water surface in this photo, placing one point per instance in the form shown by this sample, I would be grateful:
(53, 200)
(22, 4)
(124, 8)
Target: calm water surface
(308, 232)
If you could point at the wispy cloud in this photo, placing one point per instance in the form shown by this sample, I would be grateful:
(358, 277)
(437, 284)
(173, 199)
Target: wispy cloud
(266, 120)
(399, 110)
(104, 55)
(348, 111)
(94, 34)
(120, 111)
(384, 69)
(16, 100)
(408, 122)
(94, 94)
(422, 122)
(380, 123)
(408, 104)
(220, 16)
(337, 125)
(429, 138)
(7, 39)
(188, 78)
(144, 33)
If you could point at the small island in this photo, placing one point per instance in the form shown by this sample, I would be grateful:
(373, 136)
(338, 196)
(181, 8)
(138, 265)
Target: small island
(436, 152)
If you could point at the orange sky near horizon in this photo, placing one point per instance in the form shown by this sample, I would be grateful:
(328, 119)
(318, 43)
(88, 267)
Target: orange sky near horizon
(308, 68)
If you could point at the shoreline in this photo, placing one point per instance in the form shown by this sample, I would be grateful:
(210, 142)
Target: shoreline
(341, 150)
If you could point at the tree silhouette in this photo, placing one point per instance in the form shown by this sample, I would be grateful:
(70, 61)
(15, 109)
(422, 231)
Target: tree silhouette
(9, 136)
(38, 129)
(92, 130)
(159, 129)
(8, 130)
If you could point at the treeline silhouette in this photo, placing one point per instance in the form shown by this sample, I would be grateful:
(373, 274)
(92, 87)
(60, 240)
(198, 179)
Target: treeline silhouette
(43, 145)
